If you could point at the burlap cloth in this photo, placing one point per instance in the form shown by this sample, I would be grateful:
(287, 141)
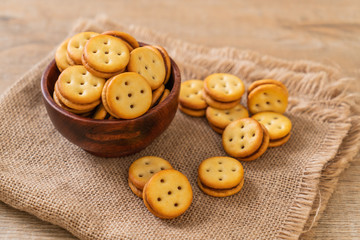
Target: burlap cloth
(47, 176)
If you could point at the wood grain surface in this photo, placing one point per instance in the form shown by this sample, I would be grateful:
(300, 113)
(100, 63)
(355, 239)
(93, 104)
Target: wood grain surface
(325, 30)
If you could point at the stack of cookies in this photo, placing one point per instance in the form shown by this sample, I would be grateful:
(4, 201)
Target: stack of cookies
(191, 100)
(94, 82)
(165, 191)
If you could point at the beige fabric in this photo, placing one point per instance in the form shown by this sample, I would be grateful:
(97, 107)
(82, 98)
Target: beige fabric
(45, 175)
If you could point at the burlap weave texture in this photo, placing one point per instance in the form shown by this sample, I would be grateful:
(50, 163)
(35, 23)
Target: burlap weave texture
(45, 175)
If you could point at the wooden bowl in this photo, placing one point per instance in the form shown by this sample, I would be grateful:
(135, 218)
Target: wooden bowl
(111, 138)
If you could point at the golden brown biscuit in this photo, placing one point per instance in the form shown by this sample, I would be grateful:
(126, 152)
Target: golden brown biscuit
(221, 118)
(156, 94)
(266, 81)
(168, 194)
(127, 38)
(220, 192)
(76, 46)
(59, 103)
(242, 137)
(100, 112)
(60, 56)
(224, 87)
(219, 105)
(258, 153)
(167, 61)
(164, 96)
(191, 94)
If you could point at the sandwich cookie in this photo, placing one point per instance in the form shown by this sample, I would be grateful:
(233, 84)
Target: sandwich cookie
(60, 56)
(76, 46)
(224, 87)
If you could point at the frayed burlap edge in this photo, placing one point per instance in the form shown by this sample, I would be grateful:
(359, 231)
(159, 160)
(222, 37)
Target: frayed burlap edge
(321, 176)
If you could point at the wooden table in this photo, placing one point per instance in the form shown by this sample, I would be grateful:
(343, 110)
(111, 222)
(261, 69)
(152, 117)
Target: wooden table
(325, 31)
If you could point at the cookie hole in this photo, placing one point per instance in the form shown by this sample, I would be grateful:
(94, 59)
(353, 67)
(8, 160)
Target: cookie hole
(132, 106)
(169, 192)
(233, 169)
(162, 180)
(179, 187)
(82, 83)
(68, 82)
(242, 137)
(212, 86)
(106, 52)
(242, 126)
(220, 179)
(87, 38)
(151, 172)
(231, 119)
(216, 114)
(147, 163)
(253, 135)
(230, 140)
(153, 77)
(162, 168)
(95, 51)
(141, 91)
(278, 101)
(83, 73)
(119, 54)
(208, 170)
(95, 85)
(269, 123)
(159, 199)
(224, 85)
(140, 175)
(139, 72)
(126, 83)
(80, 93)
(146, 67)
(117, 98)
(242, 147)
(187, 96)
(219, 162)
(257, 105)
(129, 95)
(238, 110)
(227, 112)
(220, 170)
(279, 127)
(176, 204)
(139, 58)
(105, 43)
(276, 118)
(268, 103)
(265, 94)
(153, 61)
(106, 62)
(77, 46)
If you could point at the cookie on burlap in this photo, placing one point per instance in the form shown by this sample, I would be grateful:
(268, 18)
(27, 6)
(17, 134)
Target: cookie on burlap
(220, 176)
(244, 138)
(278, 126)
(149, 63)
(267, 96)
(168, 194)
(128, 95)
(142, 169)
(219, 105)
(128, 40)
(224, 87)
(191, 94)
(105, 56)
(191, 112)
(221, 118)
(76, 46)
(60, 56)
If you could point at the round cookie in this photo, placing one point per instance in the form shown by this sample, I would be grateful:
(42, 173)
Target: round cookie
(76, 46)
(191, 112)
(221, 118)
(242, 137)
(168, 194)
(167, 61)
(128, 95)
(220, 172)
(277, 124)
(127, 38)
(149, 63)
(79, 107)
(60, 104)
(60, 56)
(142, 169)
(224, 87)
(138, 192)
(156, 94)
(77, 85)
(267, 98)
(105, 56)
(262, 149)
(219, 105)
(191, 94)
(266, 81)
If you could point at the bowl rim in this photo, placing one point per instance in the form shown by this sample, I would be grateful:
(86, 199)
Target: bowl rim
(48, 98)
